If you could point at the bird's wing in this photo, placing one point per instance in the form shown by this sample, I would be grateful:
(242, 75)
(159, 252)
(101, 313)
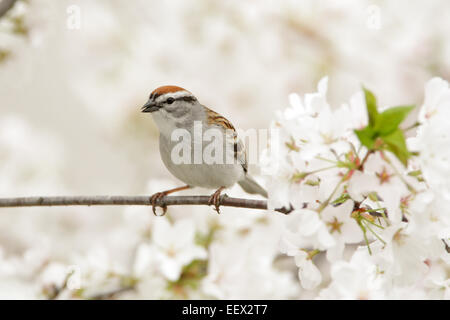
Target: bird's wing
(213, 118)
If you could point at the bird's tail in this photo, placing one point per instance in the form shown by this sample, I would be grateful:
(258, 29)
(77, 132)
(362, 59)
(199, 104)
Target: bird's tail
(251, 186)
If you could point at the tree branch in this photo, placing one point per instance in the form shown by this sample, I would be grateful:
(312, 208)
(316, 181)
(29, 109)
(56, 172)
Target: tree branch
(5, 5)
(225, 201)
(111, 294)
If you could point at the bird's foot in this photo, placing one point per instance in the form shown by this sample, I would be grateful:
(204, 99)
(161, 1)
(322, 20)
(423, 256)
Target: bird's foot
(154, 199)
(157, 196)
(215, 199)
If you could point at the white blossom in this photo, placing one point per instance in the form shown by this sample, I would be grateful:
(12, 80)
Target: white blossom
(173, 248)
(355, 279)
(309, 275)
(70, 124)
(433, 137)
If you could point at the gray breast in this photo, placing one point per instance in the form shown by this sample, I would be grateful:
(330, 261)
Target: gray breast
(193, 165)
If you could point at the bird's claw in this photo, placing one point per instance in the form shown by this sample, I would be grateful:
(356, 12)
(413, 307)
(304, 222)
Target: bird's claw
(215, 200)
(155, 198)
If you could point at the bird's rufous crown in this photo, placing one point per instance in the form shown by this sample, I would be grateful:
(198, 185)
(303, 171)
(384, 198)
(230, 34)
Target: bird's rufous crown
(166, 89)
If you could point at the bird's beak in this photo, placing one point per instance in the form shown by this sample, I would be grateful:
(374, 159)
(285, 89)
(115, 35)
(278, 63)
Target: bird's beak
(150, 106)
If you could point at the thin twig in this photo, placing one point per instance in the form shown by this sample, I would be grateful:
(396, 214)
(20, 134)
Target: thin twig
(58, 290)
(5, 5)
(363, 162)
(225, 201)
(111, 294)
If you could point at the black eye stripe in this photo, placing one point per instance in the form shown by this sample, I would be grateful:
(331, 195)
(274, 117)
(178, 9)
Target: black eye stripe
(188, 99)
(171, 100)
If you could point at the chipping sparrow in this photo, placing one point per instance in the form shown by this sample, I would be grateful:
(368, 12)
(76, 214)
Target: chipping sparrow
(174, 108)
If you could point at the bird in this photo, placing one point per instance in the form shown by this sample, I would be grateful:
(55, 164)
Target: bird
(176, 110)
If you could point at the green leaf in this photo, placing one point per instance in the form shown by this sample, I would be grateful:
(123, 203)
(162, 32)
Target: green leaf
(366, 136)
(416, 174)
(384, 126)
(191, 275)
(298, 176)
(390, 119)
(374, 196)
(312, 183)
(340, 200)
(371, 105)
(396, 143)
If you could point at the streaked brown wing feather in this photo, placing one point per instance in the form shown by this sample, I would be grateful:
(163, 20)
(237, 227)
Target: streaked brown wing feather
(213, 118)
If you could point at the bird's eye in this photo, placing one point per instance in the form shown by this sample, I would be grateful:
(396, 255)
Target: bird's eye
(170, 100)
